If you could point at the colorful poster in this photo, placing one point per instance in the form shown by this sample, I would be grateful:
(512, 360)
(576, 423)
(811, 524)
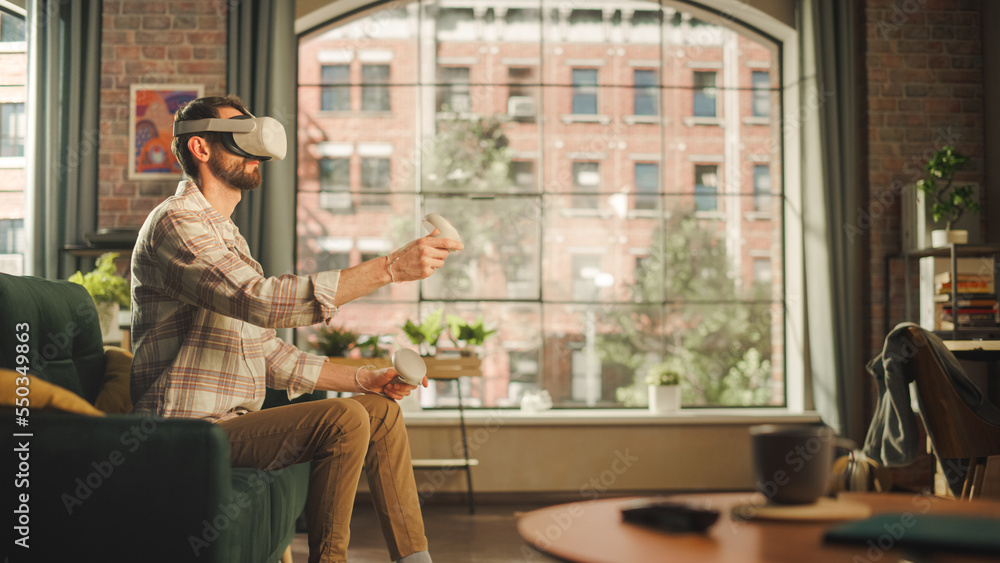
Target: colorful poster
(151, 119)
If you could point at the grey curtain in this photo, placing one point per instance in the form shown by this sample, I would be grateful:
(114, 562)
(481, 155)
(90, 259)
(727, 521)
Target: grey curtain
(261, 69)
(63, 93)
(832, 190)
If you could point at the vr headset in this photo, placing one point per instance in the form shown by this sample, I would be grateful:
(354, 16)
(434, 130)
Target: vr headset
(259, 138)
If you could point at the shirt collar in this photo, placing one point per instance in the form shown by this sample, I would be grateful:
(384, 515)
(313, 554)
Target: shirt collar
(191, 192)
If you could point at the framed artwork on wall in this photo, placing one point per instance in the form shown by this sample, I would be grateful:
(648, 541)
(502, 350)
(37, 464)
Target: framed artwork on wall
(151, 120)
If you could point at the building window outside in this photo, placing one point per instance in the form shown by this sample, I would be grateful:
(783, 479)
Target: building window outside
(647, 185)
(12, 236)
(762, 274)
(704, 94)
(375, 88)
(338, 96)
(527, 201)
(522, 176)
(375, 183)
(11, 28)
(586, 184)
(646, 94)
(706, 187)
(453, 89)
(585, 91)
(761, 94)
(762, 187)
(586, 269)
(13, 129)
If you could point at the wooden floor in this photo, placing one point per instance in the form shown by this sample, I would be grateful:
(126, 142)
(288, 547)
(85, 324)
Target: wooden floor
(490, 536)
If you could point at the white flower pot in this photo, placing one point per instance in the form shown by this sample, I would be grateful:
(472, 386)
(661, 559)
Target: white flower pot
(664, 398)
(943, 237)
(107, 315)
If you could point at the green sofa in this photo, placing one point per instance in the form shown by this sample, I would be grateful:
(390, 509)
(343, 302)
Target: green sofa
(125, 487)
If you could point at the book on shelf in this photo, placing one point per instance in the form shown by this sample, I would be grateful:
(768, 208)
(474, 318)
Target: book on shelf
(971, 310)
(970, 287)
(945, 277)
(983, 326)
(968, 300)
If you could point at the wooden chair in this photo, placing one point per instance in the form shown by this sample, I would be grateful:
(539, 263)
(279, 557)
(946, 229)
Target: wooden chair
(441, 369)
(955, 430)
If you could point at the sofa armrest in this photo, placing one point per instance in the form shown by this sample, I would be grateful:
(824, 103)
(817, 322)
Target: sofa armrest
(119, 488)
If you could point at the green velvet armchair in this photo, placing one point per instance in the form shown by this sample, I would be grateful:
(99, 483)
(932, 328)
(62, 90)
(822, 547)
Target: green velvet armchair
(123, 487)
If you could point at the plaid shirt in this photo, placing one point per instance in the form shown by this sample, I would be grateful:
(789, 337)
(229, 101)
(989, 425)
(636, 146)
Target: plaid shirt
(203, 316)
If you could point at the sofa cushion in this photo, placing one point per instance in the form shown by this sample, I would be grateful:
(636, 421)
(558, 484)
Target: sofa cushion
(262, 532)
(42, 395)
(114, 397)
(64, 336)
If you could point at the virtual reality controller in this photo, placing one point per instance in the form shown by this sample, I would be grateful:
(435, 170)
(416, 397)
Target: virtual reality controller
(260, 138)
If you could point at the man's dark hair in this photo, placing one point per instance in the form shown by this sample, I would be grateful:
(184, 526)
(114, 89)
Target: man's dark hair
(202, 108)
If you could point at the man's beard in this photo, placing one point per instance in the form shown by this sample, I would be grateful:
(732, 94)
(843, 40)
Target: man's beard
(235, 175)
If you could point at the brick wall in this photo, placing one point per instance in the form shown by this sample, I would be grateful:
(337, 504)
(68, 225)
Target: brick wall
(150, 42)
(925, 90)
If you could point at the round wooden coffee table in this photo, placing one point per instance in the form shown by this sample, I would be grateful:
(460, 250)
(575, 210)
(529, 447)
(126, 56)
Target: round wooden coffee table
(593, 532)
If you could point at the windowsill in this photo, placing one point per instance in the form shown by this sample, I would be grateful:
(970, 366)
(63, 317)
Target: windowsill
(756, 120)
(757, 216)
(579, 212)
(716, 215)
(692, 121)
(457, 115)
(13, 46)
(568, 118)
(643, 213)
(608, 417)
(12, 162)
(643, 119)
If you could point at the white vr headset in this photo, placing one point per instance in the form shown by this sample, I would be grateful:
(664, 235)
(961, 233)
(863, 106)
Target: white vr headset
(260, 138)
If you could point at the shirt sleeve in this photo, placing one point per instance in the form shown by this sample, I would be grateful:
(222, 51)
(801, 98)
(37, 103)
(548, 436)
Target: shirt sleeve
(290, 368)
(199, 268)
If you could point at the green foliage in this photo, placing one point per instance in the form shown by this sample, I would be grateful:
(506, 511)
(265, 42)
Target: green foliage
(663, 373)
(371, 347)
(720, 346)
(950, 202)
(335, 342)
(474, 334)
(103, 283)
(428, 331)
(469, 155)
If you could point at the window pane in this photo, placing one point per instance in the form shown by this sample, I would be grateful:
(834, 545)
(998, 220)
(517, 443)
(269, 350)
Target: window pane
(11, 28)
(453, 89)
(761, 94)
(374, 87)
(336, 98)
(706, 187)
(586, 181)
(647, 185)
(584, 91)
(646, 89)
(375, 182)
(762, 187)
(704, 94)
(13, 128)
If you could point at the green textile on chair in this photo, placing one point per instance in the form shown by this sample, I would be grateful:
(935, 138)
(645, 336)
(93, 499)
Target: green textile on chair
(64, 343)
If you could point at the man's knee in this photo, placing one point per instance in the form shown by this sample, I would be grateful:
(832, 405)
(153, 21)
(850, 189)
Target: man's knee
(380, 408)
(347, 419)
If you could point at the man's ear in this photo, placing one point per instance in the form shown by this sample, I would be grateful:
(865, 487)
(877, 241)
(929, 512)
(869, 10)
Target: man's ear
(199, 148)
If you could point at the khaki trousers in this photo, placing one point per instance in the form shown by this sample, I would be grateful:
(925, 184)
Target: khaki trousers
(339, 437)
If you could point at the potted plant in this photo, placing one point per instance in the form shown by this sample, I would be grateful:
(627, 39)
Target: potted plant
(664, 388)
(426, 334)
(468, 336)
(109, 291)
(334, 342)
(949, 201)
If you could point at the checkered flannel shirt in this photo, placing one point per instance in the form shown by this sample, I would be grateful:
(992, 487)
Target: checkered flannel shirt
(203, 316)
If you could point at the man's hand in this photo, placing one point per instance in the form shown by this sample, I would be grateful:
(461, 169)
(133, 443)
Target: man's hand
(384, 381)
(419, 259)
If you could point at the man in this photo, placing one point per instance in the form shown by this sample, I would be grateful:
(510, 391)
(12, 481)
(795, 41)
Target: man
(203, 320)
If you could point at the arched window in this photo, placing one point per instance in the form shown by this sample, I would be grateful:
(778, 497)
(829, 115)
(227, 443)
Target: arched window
(614, 168)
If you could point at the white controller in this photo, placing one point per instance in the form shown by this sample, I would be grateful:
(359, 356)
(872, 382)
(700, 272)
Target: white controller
(433, 220)
(410, 365)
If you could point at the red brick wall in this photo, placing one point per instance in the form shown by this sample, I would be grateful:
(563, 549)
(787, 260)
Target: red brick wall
(154, 42)
(925, 89)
